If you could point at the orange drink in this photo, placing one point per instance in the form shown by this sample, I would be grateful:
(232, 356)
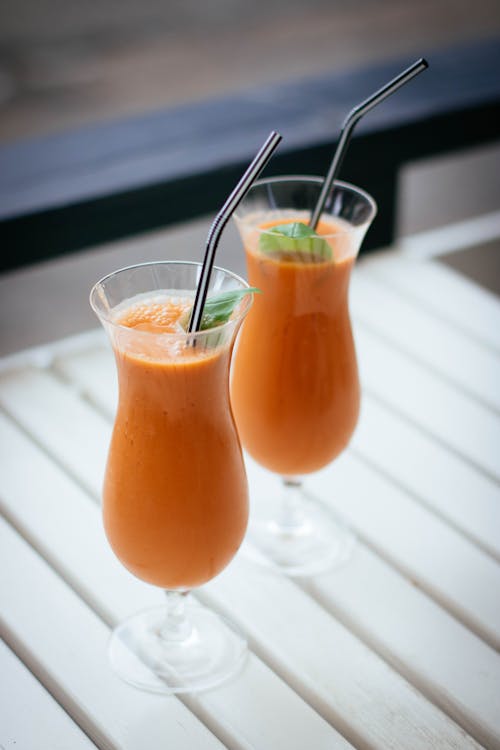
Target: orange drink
(175, 493)
(175, 499)
(294, 385)
(295, 388)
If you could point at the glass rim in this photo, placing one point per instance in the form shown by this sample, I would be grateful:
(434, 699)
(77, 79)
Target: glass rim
(246, 301)
(314, 179)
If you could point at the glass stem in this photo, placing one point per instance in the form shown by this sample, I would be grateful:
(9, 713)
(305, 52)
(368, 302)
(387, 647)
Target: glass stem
(292, 519)
(176, 626)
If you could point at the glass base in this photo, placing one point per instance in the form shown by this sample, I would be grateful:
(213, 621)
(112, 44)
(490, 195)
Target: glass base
(213, 651)
(307, 541)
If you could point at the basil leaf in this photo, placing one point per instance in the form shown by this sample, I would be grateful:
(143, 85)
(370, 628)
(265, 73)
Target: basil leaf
(218, 309)
(294, 237)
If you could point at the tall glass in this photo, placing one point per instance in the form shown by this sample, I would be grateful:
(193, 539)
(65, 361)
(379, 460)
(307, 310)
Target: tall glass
(175, 498)
(294, 386)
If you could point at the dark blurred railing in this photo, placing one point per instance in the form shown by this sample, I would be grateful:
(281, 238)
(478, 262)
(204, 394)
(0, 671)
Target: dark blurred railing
(68, 191)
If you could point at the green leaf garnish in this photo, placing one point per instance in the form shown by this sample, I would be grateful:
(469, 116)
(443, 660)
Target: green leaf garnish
(218, 309)
(294, 237)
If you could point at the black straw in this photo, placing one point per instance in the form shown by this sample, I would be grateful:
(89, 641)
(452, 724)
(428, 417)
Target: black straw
(349, 124)
(220, 221)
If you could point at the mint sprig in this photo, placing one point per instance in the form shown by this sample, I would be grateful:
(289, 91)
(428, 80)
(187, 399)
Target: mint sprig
(294, 237)
(218, 309)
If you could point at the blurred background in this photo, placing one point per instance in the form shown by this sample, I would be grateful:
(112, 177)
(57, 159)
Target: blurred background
(66, 65)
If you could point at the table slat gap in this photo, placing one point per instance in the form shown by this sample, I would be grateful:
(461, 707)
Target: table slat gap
(427, 432)
(490, 402)
(75, 690)
(452, 606)
(429, 508)
(34, 399)
(428, 402)
(26, 696)
(58, 372)
(450, 486)
(276, 657)
(46, 554)
(234, 593)
(472, 614)
(449, 353)
(122, 588)
(467, 535)
(425, 681)
(475, 312)
(42, 356)
(406, 536)
(37, 440)
(464, 616)
(379, 421)
(95, 604)
(107, 411)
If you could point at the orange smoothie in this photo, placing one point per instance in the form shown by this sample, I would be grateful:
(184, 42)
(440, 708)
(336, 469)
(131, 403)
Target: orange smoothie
(295, 389)
(175, 491)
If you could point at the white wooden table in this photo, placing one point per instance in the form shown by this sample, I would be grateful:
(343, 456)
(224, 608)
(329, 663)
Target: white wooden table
(396, 649)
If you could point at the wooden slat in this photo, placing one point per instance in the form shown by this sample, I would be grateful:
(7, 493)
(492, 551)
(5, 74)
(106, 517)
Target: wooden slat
(239, 591)
(438, 654)
(452, 488)
(95, 382)
(257, 710)
(33, 500)
(433, 342)
(236, 712)
(441, 561)
(449, 665)
(443, 292)
(64, 645)
(80, 443)
(327, 665)
(412, 390)
(48, 726)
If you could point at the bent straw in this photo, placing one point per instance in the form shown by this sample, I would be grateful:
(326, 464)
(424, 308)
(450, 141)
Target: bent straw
(220, 221)
(349, 124)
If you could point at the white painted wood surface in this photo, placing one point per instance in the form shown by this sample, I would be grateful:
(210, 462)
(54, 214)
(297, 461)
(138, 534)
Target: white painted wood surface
(449, 415)
(444, 350)
(431, 473)
(30, 719)
(82, 557)
(396, 649)
(244, 593)
(64, 644)
(445, 293)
